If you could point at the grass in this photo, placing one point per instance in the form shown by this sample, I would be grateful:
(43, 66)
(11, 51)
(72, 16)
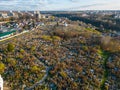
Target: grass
(93, 31)
(105, 56)
(49, 38)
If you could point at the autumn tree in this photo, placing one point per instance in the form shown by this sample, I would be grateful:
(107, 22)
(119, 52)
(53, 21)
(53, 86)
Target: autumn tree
(10, 47)
(2, 67)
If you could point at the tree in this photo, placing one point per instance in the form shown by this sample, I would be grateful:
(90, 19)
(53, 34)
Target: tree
(11, 61)
(0, 57)
(10, 47)
(109, 44)
(2, 68)
(35, 69)
(32, 48)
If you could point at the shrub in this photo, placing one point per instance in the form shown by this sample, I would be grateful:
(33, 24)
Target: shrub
(10, 47)
(66, 34)
(85, 48)
(46, 38)
(11, 61)
(63, 74)
(110, 45)
(56, 38)
(2, 68)
(35, 69)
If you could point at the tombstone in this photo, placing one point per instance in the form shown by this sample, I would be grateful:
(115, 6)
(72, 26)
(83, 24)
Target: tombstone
(1, 83)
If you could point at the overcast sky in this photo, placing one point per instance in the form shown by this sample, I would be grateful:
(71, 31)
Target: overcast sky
(59, 5)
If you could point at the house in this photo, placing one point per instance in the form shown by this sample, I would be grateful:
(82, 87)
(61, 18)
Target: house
(85, 15)
(15, 14)
(43, 16)
(47, 16)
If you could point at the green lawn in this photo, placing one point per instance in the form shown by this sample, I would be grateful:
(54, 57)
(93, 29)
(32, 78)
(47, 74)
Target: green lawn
(105, 56)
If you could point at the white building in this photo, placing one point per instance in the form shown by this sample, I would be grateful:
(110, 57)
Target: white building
(37, 14)
(4, 15)
(85, 15)
(15, 14)
(1, 83)
(117, 16)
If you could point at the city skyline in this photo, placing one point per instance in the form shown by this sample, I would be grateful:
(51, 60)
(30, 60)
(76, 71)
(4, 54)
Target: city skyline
(59, 5)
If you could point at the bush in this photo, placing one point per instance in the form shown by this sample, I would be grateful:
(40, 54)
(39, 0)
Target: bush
(22, 51)
(85, 48)
(2, 68)
(56, 38)
(46, 38)
(11, 61)
(66, 34)
(35, 69)
(110, 45)
(10, 47)
(63, 74)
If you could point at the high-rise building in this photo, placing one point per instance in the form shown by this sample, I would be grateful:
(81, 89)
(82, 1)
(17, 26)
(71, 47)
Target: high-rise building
(37, 14)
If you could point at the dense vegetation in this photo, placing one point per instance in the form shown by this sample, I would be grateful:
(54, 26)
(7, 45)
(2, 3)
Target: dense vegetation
(76, 58)
(106, 22)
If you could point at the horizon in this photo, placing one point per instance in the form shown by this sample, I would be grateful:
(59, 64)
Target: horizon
(53, 10)
(63, 5)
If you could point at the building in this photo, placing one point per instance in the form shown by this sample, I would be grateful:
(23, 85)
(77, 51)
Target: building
(37, 15)
(4, 15)
(46, 16)
(1, 83)
(117, 16)
(10, 14)
(15, 14)
(85, 15)
(0, 15)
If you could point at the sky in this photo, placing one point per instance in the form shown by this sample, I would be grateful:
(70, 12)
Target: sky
(48, 5)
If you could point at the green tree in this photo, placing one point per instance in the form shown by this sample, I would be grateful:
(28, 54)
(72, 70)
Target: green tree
(10, 47)
(35, 69)
(2, 68)
(11, 61)
(32, 48)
